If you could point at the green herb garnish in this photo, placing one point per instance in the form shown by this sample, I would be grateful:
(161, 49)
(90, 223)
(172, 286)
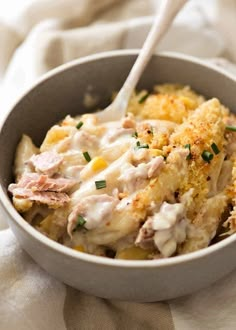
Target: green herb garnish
(231, 128)
(100, 184)
(87, 156)
(79, 125)
(141, 146)
(188, 146)
(135, 135)
(143, 98)
(215, 148)
(207, 156)
(80, 222)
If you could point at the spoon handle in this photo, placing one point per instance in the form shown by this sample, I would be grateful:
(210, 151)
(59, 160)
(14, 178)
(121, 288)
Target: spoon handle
(166, 13)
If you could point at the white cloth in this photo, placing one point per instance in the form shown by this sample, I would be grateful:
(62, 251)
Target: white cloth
(30, 299)
(38, 35)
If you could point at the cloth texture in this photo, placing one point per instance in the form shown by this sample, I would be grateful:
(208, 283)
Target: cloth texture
(37, 36)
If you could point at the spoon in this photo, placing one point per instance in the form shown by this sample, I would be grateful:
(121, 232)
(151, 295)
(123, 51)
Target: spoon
(166, 13)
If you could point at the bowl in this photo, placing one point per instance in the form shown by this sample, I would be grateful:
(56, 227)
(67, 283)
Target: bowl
(61, 92)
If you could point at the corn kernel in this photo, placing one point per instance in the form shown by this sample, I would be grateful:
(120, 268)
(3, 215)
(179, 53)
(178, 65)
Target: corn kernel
(79, 248)
(133, 253)
(156, 152)
(98, 164)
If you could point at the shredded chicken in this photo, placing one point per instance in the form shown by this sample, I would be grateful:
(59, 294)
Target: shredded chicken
(40, 182)
(166, 229)
(134, 177)
(52, 199)
(83, 140)
(47, 162)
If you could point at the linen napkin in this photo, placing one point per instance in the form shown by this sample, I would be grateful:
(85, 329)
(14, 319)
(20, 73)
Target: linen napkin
(38, 35)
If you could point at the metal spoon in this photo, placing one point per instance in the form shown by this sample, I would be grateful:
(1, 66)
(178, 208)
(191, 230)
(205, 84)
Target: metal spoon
(166, 13)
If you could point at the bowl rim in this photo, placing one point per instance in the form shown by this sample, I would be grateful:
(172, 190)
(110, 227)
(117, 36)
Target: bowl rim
(99, 260)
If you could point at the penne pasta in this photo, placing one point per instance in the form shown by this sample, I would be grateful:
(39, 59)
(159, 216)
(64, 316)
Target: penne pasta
(156, 184)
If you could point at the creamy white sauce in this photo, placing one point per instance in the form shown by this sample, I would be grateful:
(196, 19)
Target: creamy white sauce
(120, 173)
(170, 227)
(110, 174)
(98, 213)
(128, 171)
(133, 178)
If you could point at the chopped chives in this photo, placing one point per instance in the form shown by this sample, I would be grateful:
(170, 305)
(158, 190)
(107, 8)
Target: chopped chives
(100, 184)
(143, 98)
(79, 125)
(143, 146)
(80, 222)
(135, 135)
(188, 146)
(87, 156)
(231, 128)
(207, 156)
(215, 148)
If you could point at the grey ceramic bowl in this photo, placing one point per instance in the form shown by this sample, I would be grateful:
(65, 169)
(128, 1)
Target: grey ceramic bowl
(60, 93)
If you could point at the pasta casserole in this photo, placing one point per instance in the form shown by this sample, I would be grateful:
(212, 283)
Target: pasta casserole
(156, 184)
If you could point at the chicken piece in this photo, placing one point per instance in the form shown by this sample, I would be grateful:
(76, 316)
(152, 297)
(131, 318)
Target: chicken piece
(165, 229)
(47, 162)
(40, 182)
(145, 235)
(34, 187)
(50, 198)
(83, 140)
(133, 177)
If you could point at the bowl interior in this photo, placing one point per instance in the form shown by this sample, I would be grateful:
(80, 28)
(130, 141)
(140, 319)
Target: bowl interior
(62, 92)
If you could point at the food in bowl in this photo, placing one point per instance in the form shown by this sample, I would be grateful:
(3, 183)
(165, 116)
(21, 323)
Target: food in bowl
(156, 184)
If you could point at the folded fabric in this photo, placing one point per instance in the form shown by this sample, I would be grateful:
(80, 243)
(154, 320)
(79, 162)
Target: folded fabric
(41, 35)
